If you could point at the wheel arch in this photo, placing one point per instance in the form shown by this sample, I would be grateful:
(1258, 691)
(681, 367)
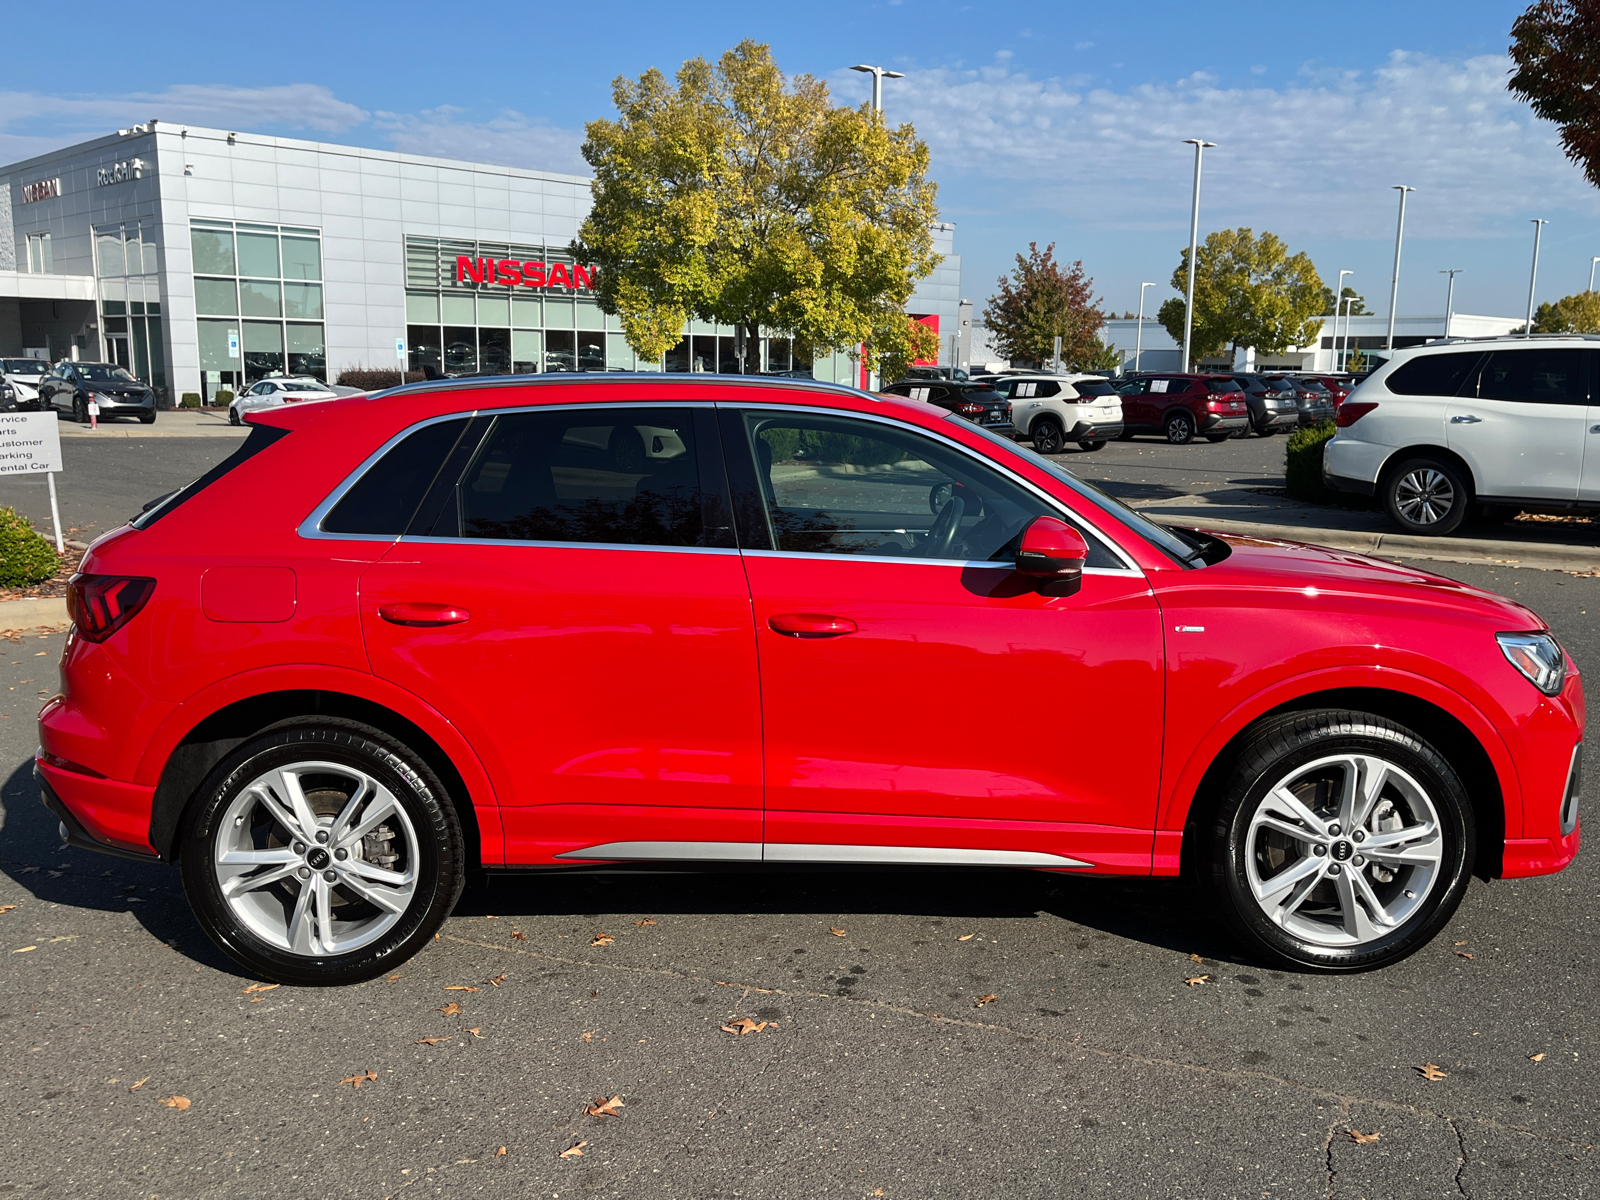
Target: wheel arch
(1426, 450)
(1443, 730)
(215, 737)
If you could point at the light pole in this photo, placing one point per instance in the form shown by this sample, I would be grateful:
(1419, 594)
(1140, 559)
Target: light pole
(1394, 284)
(1533, 275)
(1200, 147)
(1138, 337)
(878, 76)
(1450, 298)
(1592, 262)
(1338, 303)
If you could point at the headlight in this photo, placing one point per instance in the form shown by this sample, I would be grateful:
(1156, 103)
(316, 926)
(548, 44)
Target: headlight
(1538, 656)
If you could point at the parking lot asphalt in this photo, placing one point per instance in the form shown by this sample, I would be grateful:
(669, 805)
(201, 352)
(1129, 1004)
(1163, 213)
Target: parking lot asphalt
(963, 1033)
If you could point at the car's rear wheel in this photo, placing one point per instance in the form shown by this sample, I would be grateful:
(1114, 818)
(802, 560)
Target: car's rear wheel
(1093, 444)
(1048, 436)
(1215, 438)
(1427, 496)
(1178, 428)
(1342, 841)
(321, 853)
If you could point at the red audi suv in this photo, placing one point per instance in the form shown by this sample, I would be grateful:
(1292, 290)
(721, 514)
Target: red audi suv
(534, 623)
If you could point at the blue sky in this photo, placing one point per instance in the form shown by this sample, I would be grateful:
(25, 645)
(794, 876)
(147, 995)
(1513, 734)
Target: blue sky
(1051, 122)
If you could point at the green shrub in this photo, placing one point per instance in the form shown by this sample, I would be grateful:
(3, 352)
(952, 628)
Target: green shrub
(1302, 466)
(25, 556)
(223, 398)
(190, 400)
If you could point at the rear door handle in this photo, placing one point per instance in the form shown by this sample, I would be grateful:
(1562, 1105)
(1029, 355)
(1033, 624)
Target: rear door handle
(810, 625)
(427, 615)
(1467, 420)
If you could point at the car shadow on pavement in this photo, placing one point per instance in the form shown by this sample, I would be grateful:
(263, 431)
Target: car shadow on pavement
(1131, 492)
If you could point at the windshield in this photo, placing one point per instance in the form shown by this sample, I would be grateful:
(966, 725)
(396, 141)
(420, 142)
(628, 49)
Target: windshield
(22, 366)
(103, 373)
(1177, 546)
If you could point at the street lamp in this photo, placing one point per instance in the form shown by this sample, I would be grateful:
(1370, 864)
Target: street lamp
(1138, 337)
(1533, 275)
(878, 76)
(1200, 147)
(1338, 303)
(1394, 284)
(1450, 298)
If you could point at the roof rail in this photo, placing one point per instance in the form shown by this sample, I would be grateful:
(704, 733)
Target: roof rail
(572, 378)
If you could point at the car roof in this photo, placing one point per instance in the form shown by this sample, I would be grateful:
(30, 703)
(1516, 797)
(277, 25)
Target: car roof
(558, 380)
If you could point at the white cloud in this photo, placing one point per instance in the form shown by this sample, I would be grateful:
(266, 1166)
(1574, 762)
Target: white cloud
(306, 106)
(1315, 158)
(510, 138)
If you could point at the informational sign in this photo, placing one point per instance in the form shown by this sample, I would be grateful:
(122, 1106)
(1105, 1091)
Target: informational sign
(400, 349)
(1158, 385)
(29, 442)
(233, 343)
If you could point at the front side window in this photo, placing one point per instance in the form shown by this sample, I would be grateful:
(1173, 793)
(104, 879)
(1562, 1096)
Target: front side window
(1536, 376)
(837, 485)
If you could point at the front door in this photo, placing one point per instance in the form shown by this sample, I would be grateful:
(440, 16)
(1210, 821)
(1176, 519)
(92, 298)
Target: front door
(919, 702)
(570, 597)
(1589, 489)
(1522, 429)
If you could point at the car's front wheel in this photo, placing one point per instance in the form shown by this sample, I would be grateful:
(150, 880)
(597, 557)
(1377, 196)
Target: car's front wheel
(1342, 841)
(1048, 436)
(321, 853)
(1427, 496)
(233, 416)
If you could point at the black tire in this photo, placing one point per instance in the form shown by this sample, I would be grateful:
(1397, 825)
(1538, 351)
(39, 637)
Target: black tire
(1093, 444)
(627, 450)
(1275, 750)
(1427, 496)
(1178, 428)
(80, 410)
(233, 416)
(1217, 438)
(147, 418)
(438, 858)
(1266, 430)
(1048, 436)
(1125, 436)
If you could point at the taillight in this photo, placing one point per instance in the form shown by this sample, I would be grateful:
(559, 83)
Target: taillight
(99, 605)
(970, 410)
(1348, 414)
(1216, 405)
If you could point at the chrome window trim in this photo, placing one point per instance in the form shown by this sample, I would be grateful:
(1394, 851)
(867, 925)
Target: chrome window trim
(1130, 567)
(995, 564)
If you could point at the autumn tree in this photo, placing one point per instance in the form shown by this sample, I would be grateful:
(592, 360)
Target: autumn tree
(739, 196)
(1248, 291)
(1349, 301)
(1042, 300)
(1579, 313)
(1556, 48)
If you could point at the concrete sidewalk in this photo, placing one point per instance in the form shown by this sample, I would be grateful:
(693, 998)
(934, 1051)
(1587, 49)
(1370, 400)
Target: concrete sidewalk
(181, 422)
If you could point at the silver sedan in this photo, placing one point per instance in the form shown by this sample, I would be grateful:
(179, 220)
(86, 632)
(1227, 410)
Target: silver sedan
(270, 393)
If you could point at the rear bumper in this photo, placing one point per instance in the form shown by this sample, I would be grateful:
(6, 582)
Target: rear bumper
(1212, 423)
(1343, 483)
(1314, 416)
(1094, 431)
(98, 814)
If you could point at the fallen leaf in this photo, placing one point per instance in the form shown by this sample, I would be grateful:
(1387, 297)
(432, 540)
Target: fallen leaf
(602, 939)
(260, 987)
(498, 980)
(24, 949)
(178, 1102)
(394, 978)
(594, 995)
(135, 1087)
(5, 908)
(490, 917)
(966, 937)
(836, 932)
(1536, 1057)
(518, 935)
(1364, 1139)
(460, 987)
(574, 1151)
(436, 937)
(54, 874)
(450, 1009)
(1196, 958)
(743, 1026)
(587, 1037)
(500, 1153)
(1431, 1072)
(433, 1041)
(1464, 954)
(643, 923)
(605, 1108)
(41, 654)
(476, 1034)
(1461, 943)
(1196, 981)
(356, 1081)
(982, 1000)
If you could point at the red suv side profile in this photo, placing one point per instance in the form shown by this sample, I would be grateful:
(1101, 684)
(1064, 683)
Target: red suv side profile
(539, 623)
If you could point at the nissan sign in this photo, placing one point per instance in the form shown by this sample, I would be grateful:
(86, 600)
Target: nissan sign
(508, 272)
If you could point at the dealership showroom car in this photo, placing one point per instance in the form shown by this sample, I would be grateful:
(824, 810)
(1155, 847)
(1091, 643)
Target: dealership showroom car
(1497, 424)
(588, 621)
(24, 375)
(1053, 410)
(1182, 407)
(71, 385)
(270, 393)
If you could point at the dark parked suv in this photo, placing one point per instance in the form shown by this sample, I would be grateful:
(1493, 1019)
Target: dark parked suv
(1273, 403)
(978, 402)
(118, 394)
(1181, 407)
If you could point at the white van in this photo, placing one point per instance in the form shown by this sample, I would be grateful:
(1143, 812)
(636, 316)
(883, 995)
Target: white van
(1506, 423)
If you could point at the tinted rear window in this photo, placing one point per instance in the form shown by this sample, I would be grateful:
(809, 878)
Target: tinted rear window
(1093, 387)
(1223, 385)
(1433, 374)
(383, 500)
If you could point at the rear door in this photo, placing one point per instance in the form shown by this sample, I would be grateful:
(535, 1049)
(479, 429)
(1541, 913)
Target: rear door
(1522, 429)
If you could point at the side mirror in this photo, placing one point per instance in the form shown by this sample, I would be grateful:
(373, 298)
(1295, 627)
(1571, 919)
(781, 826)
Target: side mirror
(1053, 553)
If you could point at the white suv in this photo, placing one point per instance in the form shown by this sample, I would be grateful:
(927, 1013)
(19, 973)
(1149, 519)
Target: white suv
(1056, 409)
(1506, 423)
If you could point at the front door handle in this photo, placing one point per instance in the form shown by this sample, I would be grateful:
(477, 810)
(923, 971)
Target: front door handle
(1466, 420)
(1594, 429)
(425, 615)
(810, 625)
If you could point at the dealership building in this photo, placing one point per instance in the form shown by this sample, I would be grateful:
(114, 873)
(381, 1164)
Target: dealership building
(204, 260)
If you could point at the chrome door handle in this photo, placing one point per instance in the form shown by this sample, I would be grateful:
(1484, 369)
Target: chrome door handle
(1594, 429)
(1467, 420)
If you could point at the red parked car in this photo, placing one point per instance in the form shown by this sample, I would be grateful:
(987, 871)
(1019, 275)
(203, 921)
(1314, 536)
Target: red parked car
(537, 623)
(1182, 407)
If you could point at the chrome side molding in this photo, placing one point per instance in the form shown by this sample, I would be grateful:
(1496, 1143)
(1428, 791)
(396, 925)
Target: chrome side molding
(798, 852)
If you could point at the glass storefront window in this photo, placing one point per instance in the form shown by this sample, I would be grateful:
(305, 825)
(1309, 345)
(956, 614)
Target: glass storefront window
(422, 308)
(303, 301)
(282, 269)
(494, 310)
(423, 348)
(460, 350)
(618, 353)
(591, 351)
(158, 357)
(458, 310)
(258, 254)
(214, 345)
(302, 258)
(704, 358)
(307, 354)
(527, 312)
(263, 349)
(560, 350)
(677, 359)
(557, 314)
(213, 251)
(494, 351)
(589, 315)
(216, 297)
(527, 350)
(109, 245)
(258, 298)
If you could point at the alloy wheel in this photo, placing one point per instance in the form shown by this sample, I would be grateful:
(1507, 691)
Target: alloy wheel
(1345, 850)
(316, 858)
(1424, 495)
(1048, 437)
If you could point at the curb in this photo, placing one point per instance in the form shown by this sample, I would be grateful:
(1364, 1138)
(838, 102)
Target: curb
(30, 614)
(1399, 545)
